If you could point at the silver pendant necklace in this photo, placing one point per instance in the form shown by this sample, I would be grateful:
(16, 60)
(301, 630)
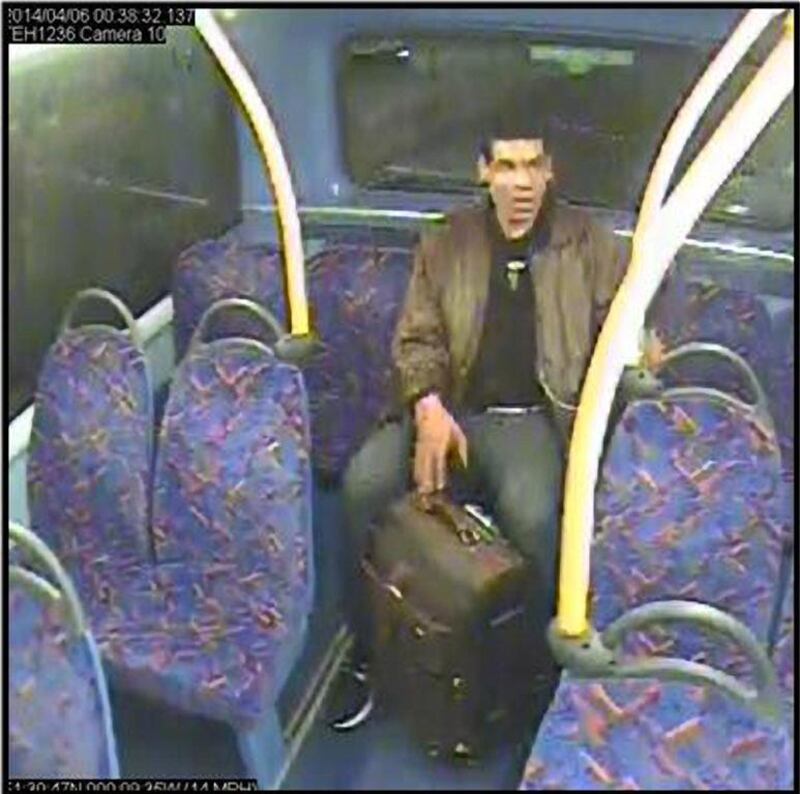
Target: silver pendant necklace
(513, 269)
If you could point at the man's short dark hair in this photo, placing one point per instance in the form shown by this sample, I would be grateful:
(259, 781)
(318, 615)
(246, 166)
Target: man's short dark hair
(509, 129)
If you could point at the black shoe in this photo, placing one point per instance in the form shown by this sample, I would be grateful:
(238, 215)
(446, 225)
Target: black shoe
(354, 699)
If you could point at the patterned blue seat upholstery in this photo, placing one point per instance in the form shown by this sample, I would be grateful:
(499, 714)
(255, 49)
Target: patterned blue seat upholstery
(232, 536)
(59, 715)
(780, 384)
(629, 735)
(355, 290)
(232, 488)
(89, 464)
(213, 270)
(691, 505)
(205, 608)
(689, 311)
(783, 653)
(358, 291)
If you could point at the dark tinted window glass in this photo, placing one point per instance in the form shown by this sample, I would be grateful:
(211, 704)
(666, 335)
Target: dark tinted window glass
(416, 106)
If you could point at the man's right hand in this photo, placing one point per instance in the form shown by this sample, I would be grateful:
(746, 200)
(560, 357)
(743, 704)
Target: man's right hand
(437, 436)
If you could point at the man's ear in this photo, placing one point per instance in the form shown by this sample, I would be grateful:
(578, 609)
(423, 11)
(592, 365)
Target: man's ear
(548, 168)
(483, 170)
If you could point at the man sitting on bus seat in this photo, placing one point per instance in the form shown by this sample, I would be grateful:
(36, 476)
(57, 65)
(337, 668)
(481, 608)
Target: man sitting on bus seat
(502, 311)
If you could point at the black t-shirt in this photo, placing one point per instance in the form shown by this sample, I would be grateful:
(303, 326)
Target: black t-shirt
(504, 371)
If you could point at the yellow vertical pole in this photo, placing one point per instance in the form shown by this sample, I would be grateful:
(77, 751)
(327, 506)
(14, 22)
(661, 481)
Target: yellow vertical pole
(275, 162)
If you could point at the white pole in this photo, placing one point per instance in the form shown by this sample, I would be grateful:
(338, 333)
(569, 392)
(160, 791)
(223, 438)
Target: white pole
(650, 260)
(687, 118)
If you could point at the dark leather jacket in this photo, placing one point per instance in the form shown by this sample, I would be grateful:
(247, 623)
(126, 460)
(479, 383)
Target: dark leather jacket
(574, 280)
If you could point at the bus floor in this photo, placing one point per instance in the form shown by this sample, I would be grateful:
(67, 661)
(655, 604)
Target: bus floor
(381, 754)
(155, 741)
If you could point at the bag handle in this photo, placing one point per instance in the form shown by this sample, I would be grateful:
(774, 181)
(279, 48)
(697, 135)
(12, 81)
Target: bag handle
(466, 529)
(256, 309)
(64, 591)
(117, 303)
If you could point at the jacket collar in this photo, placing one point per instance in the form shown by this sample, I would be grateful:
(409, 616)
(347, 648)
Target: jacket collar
(473, 222)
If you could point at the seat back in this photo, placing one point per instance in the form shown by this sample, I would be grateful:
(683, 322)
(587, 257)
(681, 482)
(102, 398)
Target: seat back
(358, 291)
(90, 454)
(232, 480)
(783, 654)
(355, 290)
(781, 384)
(690, 311)
(213, 270)
(59, 714)
(690, 505)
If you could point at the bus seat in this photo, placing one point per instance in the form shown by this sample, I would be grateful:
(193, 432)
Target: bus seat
(647, 734)
(690, 506)
(689, 311)
(217, 626)
(59, 714)
(356, 289)
(232, 482)
(212, 270)
(207, 617)
(215, 642)
(90, 464)
(783, 654)
(760, 328)
(780, 384)
(358, 292)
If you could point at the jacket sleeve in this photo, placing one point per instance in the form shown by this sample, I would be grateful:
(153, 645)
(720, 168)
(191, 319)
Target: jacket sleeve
(420, 350)
(609, 257)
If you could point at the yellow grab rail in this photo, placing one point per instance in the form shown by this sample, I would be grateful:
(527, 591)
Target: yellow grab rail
(656, 241)
(276, 167)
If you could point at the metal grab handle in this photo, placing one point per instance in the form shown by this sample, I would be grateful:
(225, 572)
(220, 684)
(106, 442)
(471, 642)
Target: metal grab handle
(759, 407)
(764, 699)
(296, 350)
(715, 395)
(34, 583)
(598, 655)
(764, 702)
(110, 298)
(256, 309)
(65, 590)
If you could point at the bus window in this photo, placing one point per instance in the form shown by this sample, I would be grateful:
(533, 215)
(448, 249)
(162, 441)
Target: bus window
(605, 105)
(759, 192)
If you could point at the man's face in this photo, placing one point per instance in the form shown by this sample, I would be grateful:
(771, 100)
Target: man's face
(517, 177)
